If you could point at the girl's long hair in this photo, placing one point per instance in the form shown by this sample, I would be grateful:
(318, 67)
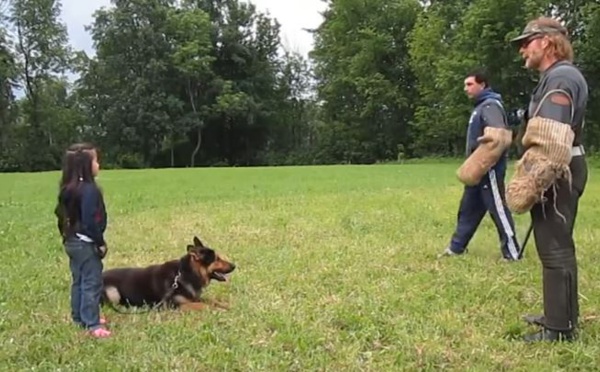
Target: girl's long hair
(76, 169)
(77, 166)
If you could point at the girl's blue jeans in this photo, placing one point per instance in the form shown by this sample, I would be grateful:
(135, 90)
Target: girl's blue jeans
(86, 288)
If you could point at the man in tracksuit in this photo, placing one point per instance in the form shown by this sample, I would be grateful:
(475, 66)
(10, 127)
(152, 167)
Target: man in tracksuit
(483, 172)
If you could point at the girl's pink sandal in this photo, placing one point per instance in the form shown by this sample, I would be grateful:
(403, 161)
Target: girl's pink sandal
(99, 333)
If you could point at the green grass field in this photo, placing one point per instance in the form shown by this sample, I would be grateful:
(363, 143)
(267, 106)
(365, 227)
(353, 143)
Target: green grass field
(337, 268)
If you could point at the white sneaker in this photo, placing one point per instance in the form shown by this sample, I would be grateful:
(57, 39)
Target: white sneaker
(448, 253)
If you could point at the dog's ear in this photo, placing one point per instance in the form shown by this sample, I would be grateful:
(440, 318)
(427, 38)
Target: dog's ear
(190, 248)
(206, 256)
(197, 242)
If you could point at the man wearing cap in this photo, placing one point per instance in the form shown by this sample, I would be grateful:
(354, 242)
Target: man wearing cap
(551, 175)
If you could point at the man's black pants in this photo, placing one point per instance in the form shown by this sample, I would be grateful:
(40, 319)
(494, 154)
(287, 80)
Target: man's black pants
(553, 235)
(488, 196)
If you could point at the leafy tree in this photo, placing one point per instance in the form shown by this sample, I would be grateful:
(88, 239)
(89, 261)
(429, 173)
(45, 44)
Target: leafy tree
(42, 55)
(364, 79)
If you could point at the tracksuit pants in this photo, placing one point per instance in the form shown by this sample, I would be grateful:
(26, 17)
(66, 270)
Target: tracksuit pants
(478, 200)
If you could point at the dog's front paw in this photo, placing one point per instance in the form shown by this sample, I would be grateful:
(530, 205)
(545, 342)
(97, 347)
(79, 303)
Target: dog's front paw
(220, 305)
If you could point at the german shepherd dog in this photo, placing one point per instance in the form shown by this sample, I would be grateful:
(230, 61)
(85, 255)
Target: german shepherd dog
(173, 284)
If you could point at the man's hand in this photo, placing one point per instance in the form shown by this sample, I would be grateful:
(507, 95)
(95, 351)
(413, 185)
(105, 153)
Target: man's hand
(102, 250)
(492, 145)
(546, 159)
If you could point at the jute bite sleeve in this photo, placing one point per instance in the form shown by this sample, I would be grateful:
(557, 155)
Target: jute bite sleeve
(547, 145)
(491, 146)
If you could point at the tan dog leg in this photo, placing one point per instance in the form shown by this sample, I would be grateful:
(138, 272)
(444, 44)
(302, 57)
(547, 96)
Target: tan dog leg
(218, 304)
(193, 306)
(187, 305)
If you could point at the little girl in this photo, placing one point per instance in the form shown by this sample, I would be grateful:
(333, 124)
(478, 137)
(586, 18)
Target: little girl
(82, 221)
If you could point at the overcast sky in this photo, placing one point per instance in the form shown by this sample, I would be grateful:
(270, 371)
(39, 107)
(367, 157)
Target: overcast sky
(293, 15)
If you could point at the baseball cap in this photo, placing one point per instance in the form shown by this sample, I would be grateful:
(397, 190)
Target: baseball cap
(533, 28)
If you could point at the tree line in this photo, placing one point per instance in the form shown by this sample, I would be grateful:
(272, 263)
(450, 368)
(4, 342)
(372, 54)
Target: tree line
(185, 83)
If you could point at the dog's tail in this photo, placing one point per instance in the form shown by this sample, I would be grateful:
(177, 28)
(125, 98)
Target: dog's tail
(111, 297)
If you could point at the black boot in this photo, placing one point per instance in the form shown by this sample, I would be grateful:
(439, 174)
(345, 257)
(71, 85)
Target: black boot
(551, 336)
(537, 320)
(561, 307)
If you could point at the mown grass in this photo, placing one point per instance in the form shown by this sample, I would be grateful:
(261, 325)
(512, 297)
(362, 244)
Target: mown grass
(337, 269)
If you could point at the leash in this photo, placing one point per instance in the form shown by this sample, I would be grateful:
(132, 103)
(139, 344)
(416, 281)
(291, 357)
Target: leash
(167, 295)
(526, 239)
